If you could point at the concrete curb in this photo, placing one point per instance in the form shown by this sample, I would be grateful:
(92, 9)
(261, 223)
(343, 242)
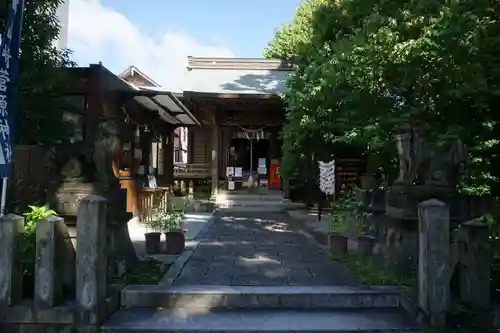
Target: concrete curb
(176, 268)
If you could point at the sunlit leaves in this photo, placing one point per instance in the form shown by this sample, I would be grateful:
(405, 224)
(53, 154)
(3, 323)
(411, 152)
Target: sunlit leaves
(364, 68)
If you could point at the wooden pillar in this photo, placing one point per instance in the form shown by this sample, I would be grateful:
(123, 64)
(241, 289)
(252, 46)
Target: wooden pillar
(167, 178)
(215, 155)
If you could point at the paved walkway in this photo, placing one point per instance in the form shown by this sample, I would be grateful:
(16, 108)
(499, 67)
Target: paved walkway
(259, 249)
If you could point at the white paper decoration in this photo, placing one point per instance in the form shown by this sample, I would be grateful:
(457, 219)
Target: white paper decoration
(327, 177)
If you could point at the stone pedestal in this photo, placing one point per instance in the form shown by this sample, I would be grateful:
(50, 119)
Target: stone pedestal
(120, 246)
(69, 195)
(401, 230)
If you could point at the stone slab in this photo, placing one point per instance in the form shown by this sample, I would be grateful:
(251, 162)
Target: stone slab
(178, 264)
(191, 320)
(260, 249)
(252, 297)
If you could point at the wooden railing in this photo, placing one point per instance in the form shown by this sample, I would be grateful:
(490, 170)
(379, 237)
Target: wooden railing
(46, 283)
(194, 171)
(153, 204)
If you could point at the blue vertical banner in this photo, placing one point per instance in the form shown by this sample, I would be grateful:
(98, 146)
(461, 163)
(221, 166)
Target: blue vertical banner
(9, 81)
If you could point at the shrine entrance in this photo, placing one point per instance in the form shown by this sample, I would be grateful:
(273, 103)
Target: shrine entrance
(246, 154)
(241, 116)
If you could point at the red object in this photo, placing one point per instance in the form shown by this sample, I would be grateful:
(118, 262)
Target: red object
(274, 175)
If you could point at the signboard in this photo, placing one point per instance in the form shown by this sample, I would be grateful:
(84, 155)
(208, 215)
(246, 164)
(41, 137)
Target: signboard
(262, 163)
(238, 172)
(9, 68)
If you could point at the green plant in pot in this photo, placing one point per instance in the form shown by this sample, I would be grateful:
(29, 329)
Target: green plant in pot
(175, 235)
(153, 235)
(365, 240)
(337, 240)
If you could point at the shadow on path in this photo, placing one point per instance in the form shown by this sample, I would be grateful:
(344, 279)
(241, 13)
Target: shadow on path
(260, 249)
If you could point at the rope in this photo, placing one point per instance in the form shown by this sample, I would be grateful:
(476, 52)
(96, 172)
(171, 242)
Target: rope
(248, 130)
(128, 119)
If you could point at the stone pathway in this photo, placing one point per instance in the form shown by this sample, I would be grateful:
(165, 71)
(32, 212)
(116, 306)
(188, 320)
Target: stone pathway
(260, 249)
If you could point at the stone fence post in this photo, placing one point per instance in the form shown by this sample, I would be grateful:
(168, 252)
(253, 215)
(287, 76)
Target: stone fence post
(475, 274)
(434, 261)
(11, 271)
(48, 272)
(91, 263)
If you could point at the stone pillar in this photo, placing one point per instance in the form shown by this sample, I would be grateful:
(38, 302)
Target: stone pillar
(434, 261)
(48, 282)
(215, 156)
(91, 263)
(475, 274)
(11, 274)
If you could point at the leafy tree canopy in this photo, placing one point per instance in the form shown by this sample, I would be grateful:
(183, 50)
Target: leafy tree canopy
(365, 68)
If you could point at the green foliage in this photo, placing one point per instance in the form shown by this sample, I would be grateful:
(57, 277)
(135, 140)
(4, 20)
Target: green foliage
(493, 222)
(347, 209)
(174, 220)
(27, 244)
(148, 272)
(39, 115)
(370, 271)
(35, 214)
(364, 69)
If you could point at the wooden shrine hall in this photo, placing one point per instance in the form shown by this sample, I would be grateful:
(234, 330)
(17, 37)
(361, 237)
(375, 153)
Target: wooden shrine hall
(236, 101)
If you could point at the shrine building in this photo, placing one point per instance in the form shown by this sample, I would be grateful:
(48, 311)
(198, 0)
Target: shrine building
(237, 104)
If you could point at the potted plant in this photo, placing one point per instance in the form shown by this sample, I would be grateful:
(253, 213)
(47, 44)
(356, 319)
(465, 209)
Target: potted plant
(153, 235)
(337, 240)
(175, 235)
(366, 242)
(364, 239)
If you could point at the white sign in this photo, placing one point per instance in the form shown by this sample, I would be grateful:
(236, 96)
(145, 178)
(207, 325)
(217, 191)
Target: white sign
(230, 185)
(152, 181)
(229, 171)
(262, 163)
(262, 170)
(238, 172)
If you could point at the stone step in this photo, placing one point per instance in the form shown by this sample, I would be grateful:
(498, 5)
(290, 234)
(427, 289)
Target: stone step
(249, 197)
(158, 320)
(255, 203)
(255, 297)
(257, 209)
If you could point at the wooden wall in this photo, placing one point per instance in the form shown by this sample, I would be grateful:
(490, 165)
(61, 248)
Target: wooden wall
(30, 179)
